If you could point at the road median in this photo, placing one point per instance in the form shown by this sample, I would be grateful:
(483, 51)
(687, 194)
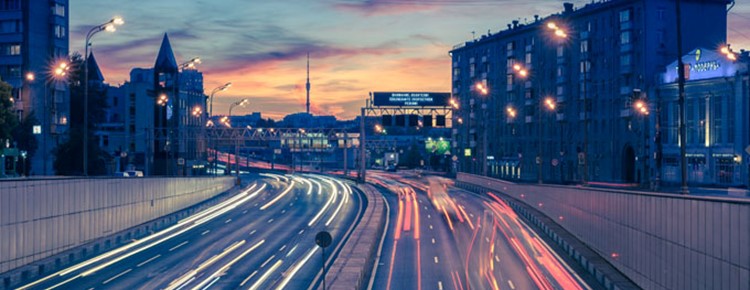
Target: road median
(353, 266)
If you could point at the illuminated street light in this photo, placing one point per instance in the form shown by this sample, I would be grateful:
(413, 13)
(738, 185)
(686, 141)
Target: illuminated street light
(728, 52)
(482, 88)
(30, 76)
(191, 63)
(162, 100)
(220, 88)
(110, 27)
(550, 103)
(511, 112)
(197, 111)
(523, 72)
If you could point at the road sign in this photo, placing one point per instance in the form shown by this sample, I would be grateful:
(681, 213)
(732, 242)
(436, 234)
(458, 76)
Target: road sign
(417, 99)
(323, 239)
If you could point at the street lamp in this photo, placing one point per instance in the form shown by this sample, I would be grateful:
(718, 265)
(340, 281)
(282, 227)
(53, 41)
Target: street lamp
(190, 63)
(59, 72)
(109, 26)
(241, 103)
(197, 111)
(549, 104)
(727, 51)
(220, 88)
(482, 89)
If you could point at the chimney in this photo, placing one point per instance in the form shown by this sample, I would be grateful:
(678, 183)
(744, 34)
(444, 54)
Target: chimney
(568, 7)
(536, 17)
(515, 24)
(510, 26)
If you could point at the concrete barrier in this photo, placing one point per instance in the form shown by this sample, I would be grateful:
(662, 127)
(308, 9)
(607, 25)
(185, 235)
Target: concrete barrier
(659, 241)
(43, 218)
(352, 267)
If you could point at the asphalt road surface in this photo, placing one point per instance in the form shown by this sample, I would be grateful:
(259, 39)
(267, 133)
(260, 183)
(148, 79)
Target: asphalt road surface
(441, 237)
(260, 238)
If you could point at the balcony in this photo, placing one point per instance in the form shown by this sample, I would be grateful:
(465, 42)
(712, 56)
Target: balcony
(625, 113)
(560, 117)
(628, 47)
(627, 25)
(626, 69)
(529, 119)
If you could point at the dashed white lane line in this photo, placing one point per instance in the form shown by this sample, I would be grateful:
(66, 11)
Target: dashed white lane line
(510, 283)
(440, 285)
(270, 221)
(248, 278)
(229, 220)
(430, 226)
(429, 216)
(149, 260)
(497, 259)
(433, 240)
(436, 260)
(117, 276)
(205, 232)
(301, 231)
(251, 233)
(180, 245)
(267, 261)
(282, 248)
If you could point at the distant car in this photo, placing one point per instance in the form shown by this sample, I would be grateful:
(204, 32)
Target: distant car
(129, 173)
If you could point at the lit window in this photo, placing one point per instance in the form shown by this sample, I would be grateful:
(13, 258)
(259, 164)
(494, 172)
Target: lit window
(60, 31)
(14, 49)
(625, 15)
(625, 37)
(58, 9)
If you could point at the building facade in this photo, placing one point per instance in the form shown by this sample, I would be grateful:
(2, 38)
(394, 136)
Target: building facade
(551, 99)
(717, 120)
(32, 41)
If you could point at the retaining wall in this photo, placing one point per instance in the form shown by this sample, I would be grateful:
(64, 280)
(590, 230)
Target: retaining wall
(660, 241)
(42, 218)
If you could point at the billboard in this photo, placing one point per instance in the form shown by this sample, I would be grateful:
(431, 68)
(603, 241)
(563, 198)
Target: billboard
(411, 99)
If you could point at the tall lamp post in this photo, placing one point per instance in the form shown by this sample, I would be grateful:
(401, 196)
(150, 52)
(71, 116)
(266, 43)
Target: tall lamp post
(242, 103)
(549, 104)
(59, 73)
(107, 26)
(220, 88)
(483, 91)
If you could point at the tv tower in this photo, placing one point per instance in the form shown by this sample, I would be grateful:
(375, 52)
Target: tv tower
(307, 85)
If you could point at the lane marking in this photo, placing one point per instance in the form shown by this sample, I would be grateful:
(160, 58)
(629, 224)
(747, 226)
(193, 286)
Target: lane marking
(433, 240)
(248, 278)
(282, 248)
(180, 245)
(270, 221)
(116, 276)
(149, 260)
(436, 260)
(440, 285)
(301, 231)
(267, 261)
(204, 233)
(226, 267)
(430, 226)
(265, 275)
(251, 233)
(510, 283)
(229, 220)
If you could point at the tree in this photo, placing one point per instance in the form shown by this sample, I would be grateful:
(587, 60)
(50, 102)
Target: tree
(25, 140)
(8, 118)
(69, 154)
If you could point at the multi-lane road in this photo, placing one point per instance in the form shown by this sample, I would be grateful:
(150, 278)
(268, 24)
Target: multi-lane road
(262, 237)
(441, 237)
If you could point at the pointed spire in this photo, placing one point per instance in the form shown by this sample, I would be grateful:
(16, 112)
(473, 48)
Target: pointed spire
(165, 61)
(95, 74)
(307, 85)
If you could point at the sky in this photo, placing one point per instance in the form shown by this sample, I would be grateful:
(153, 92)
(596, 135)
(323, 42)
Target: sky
(355, 46)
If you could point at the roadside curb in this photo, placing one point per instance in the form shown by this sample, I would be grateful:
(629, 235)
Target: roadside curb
(353, 266)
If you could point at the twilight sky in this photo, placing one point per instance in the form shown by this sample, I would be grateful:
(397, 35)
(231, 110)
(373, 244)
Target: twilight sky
(355, 46)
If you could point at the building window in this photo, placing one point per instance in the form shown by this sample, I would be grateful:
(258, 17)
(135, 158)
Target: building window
(14, 49)
(59, 31)
(10, 26)
(10, 4)
(584, 46)
(528, 58)
(730, 119)
(585, 67)
(625, 37)
(560, 51)
(625, 60)
(625, 15)
(58, 9)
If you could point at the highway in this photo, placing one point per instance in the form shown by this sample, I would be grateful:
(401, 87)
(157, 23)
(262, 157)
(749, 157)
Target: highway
(262, 237)
(441, 237)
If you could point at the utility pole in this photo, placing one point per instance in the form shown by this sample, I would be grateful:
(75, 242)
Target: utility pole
(681, 102)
